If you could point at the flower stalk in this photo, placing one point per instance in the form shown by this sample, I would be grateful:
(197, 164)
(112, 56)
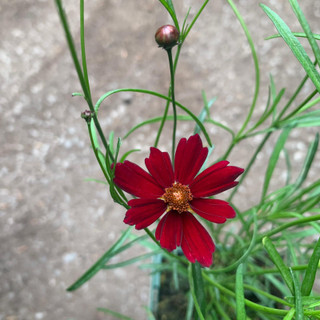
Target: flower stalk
(172, 91)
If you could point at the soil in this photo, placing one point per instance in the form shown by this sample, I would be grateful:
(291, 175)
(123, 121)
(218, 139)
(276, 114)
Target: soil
(54, 224)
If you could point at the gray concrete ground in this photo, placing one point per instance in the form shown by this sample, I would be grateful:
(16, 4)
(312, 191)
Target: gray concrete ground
(54, 224)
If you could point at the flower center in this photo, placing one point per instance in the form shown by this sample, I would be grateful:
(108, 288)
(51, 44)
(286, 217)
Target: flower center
(177, 197)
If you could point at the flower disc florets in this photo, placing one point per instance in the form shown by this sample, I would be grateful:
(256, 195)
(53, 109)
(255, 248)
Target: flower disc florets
(177, 197)
(167, 36)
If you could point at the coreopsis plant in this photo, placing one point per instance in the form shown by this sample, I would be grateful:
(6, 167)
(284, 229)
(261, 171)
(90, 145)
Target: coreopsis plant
(264, 268)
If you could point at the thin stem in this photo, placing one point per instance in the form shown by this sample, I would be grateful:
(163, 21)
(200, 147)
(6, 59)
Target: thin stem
(288, 225)
(252, 160)
(256, 66)
(267, 294)
(83, 48)
(304, 80)
(85, 88)
(312, 94)
(249, 303)
(169, 51)
(275, 270)
(195, 19)
(164, 117)
(186, 110)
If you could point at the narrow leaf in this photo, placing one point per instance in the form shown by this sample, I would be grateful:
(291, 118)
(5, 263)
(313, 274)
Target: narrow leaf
(274, 159)
(99, 264)
(296, 34)
(193, 293)
(305, 26)
(170, 9)
(311, 271)
(198, 286)
(297, 297)
(278, 262)
(114, 314)
(240, 304)
(290, 314)
(294, 45)
(308, 162)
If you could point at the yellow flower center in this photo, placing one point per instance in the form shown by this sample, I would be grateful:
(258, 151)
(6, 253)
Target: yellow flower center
(177, 197)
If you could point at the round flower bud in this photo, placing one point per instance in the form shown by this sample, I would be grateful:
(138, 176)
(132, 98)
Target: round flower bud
(167, 36)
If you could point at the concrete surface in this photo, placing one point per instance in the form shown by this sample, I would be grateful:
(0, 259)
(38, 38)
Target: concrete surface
(54, 224)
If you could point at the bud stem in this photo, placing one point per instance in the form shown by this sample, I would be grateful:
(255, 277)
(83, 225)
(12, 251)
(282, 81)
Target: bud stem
(169, 51)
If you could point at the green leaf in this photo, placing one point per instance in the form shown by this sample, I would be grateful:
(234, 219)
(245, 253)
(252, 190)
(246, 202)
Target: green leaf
(199, 286)
(274, 159)
(278, 262)
(246, 254)
(186, 110)
(256, 65)
(114, 314)
(296, 34)
(100, 263)
(307, 162)
(290, 314)
(83, 48)
(132, 260)
(188, 28)
(240, 305)
(305, 26)
(297, 297)
(204, 112)
(169, 7)
(72, 49)
(294, 45)
(310, 119)
(311, 271)
(306, 301)
(272, 110)
(194, 295)
(124, 157)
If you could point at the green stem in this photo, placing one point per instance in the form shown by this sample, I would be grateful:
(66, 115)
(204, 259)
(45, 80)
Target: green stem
(283, 111)
(268, 295)
(122, 201)
(85, 88)
(252, 160)
(186, 110)
(164, 117)
(256, 66)
(169, 51)
(195, 19)
(249, 303)
(83, 48)
(294, 112)
(288, 225)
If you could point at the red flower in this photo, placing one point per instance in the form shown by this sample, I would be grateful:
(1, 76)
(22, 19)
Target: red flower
(179, 193)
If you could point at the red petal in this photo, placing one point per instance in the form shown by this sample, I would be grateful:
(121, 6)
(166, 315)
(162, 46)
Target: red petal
(184, 230)
(169, 230)
(212, 209)
(136, 181)
(189, 158)
(144, 212)
(160, 167)
(197, 244)
(215, 179)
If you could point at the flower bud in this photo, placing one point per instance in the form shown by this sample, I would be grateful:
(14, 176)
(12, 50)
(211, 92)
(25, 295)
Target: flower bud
(167, 36)
(86, 115)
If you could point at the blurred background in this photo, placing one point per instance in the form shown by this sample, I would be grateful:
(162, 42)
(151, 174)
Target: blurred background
(53, 223)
